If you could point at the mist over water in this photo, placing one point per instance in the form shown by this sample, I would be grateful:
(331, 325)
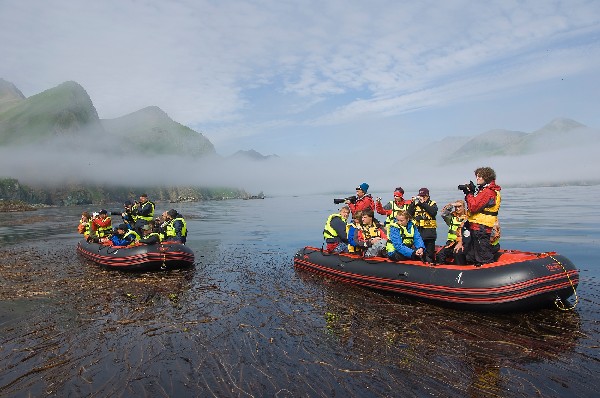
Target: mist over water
(244, 322)
(289, 176)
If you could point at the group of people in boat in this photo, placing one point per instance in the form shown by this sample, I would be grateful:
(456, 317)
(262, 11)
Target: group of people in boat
(409, 231)
(138, 225)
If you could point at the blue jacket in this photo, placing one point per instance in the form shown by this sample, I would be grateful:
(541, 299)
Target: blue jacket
(396, 239)
(120, 240)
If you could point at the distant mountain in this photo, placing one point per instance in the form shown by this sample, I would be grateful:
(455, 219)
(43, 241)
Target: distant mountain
(9, 95)
(490, 143)
(558, 134)
(252, 155)
(65, 111)
(150, 131)
(66, 117)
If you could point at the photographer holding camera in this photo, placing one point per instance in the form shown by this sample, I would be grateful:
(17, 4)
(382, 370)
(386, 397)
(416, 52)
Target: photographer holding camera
(363, 200)
(423, 211)
(483, 202)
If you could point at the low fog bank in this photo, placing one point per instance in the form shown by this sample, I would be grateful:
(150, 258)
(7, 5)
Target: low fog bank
(293, 176)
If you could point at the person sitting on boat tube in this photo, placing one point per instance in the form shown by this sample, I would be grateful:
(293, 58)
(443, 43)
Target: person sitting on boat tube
(175, 227)
(335, 231)
(149, 235)
(124, 236)
(85, 224)
(363, 200)
(352, 230)
(405, 242)
(483, 202)
(371, 236)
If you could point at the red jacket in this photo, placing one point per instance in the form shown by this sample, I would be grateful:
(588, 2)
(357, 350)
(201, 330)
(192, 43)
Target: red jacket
(380, 210)
(486, 197)
(99, 223)
(366, 202)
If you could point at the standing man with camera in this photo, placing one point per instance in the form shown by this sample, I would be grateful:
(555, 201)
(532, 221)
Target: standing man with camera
(423, 211)
(363, 200)
(483, 201)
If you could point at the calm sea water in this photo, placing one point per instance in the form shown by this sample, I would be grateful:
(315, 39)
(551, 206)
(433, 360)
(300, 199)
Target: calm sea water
(244, 322)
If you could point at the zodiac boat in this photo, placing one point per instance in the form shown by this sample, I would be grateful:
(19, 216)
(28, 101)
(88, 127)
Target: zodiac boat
(517, 281)
(166, 255)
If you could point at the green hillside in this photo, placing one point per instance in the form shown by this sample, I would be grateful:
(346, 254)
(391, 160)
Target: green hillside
(65, 111)
(10, 95)
(150, 131)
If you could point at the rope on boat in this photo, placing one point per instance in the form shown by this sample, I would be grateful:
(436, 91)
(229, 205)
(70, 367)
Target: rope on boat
(558, 302)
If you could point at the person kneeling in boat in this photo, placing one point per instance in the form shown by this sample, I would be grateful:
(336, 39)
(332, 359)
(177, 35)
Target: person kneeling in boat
(405, 242)
(175, 227)
(335, 231)
(454, 214)
(124, 236)
(371, 235)
(149, 235)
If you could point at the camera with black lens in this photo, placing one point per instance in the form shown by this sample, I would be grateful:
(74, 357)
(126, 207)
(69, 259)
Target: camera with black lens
(352, 199)
(467, 188)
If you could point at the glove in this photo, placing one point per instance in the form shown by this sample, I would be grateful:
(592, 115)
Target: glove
(471, 187)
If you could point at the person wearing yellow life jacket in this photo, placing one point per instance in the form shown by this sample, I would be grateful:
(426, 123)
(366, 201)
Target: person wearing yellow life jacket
(404, 241)
(423, 212)
(175, 228)
(124, 236)
(102, 225)
(335, 231)
(143, 212)
(149, 234)
(393, 207)
(454, 214)
(483, 203)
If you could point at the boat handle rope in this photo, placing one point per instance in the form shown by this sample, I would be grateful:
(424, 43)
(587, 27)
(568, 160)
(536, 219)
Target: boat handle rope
(558, 300)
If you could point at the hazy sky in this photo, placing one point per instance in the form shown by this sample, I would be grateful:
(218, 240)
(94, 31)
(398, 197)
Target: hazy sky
(316, 77)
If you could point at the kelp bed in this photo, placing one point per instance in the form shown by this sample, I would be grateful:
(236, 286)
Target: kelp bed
(242, 323)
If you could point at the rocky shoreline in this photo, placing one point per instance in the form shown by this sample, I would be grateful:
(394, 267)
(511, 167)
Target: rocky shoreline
(15, 206)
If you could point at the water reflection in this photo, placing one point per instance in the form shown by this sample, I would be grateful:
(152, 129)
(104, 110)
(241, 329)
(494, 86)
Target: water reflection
(461, 353)
(243, 322)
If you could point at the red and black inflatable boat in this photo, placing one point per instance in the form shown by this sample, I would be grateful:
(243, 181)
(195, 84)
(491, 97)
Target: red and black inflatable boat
(166, 255)
(518, 281)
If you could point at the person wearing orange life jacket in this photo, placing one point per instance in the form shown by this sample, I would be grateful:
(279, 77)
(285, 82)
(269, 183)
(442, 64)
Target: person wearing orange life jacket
(371, 236)
(335, 231)
(423, 211)
(393, 207)
(363, 200)
(84, 224)
(483, 202)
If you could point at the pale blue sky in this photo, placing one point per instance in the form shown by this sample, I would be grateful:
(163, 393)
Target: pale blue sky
(303, 77)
